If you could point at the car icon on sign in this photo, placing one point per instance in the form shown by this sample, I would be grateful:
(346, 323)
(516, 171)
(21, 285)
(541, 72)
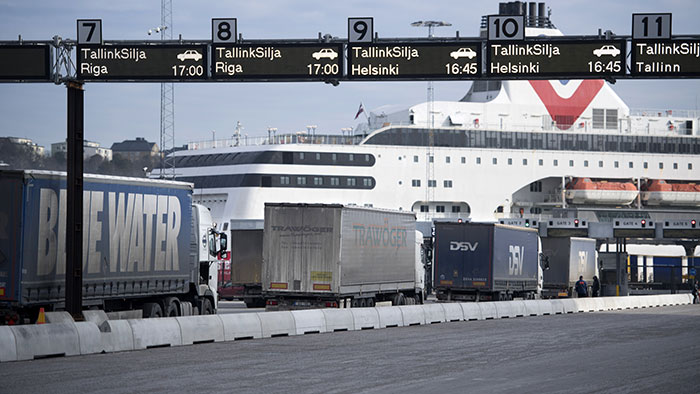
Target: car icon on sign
(326, 53)
(606, 50)
(463, 52)
(189, 55)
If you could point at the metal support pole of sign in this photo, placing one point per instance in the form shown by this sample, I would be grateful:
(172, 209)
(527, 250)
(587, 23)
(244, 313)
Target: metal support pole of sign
(74, 186)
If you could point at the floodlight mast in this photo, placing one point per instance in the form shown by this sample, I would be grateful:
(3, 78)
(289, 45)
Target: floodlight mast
(429, 167)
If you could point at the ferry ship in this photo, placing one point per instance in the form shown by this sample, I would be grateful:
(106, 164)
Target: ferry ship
(520, 149)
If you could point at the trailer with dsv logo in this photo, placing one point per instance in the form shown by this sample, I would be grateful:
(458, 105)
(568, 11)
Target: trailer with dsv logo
(569, 259)
(486, 261)
(330, 255)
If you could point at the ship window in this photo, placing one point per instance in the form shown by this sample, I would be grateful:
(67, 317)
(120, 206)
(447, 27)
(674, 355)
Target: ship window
(432, 183)
(369, 205)
(541, 162)
(424, 208)
(536, 210)
(415, 182)
(367, 182)
(478, 160)
(415, 159)
(646, 164)
(598, 118)
(318, 156)
(447, 183)
(334, 156)
(690, 166)
(536, 187)
(351, 182)
(631, 165)
(439, 208)
(266, 181)
(611, 119)
(318, 180)
(284, 180)
(301, 180)
(556, 163)
(351, 157)
(431, 159)
(301, 155)
(447, 159)
(661, 165)
(600, 163)
(335, 181)
(524, 162)
(464, 160)
(571, 163)
(585, 163)
(495, 161)
(675, 166)
(366, 157)
(456, 209)
(617, 164)
(510, 161)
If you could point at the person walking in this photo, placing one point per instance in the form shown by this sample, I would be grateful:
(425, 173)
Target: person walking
(695, 292)
(596, 286)
(581, 288)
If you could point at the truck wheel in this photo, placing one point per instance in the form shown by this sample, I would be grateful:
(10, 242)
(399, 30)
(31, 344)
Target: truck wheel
(370, 302)
(172, 309)
(207, 308)
(363, 303)
(401, 299)
(152, 309)
(355, 303)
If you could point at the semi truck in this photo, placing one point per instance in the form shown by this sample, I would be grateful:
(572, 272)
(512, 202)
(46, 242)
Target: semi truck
(244, 281)
(336, 256)
(485, 261)
(145, 246)
(569, 259)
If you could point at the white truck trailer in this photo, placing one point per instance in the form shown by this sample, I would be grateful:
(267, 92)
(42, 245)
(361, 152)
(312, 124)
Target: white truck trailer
(319, 255)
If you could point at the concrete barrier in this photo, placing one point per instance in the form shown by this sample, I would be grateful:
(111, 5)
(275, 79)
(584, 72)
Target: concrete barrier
(90, 337)
(453, 311)
(155, 332)
(116, 336)
(338, 320)
(310, 321)
(389, 317)
(434, 313)
(537, 307)
(8, 345)
(58, 317)
(488, 309)
(276, 324)
(505, 309)
(583, 304)
(557, 306)
(239, 326)
(365, 318)
(635, 302)
(598, 304)
(471, 311)
(569, 305)
(412, 315)
(519, 308)
(654, 301)
(96, 316)
(200, 329)
(44, 340)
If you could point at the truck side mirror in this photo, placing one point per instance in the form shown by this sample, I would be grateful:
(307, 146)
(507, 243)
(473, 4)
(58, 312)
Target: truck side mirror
(223, 242)
(545, 261)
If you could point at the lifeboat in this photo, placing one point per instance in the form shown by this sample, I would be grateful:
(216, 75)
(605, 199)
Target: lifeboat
(661, 192)
(588, 191)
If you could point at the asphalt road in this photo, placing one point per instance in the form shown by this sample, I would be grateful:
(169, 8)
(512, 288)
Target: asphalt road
(635, 351)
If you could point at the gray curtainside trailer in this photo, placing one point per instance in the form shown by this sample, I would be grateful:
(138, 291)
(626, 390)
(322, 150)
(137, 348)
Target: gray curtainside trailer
(485, 261)
(569, 258)
(145, 246)
(338, 256)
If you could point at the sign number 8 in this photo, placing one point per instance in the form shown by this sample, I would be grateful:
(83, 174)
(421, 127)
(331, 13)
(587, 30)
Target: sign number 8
(223, 30)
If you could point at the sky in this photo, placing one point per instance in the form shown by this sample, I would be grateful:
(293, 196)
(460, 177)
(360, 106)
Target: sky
(119, 111)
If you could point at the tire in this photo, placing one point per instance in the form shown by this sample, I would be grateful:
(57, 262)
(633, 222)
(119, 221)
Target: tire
(172, 307)
(152, 310)
(207, 308)
(363, 303)
(355, 303)
(402, 299)
(370, 302)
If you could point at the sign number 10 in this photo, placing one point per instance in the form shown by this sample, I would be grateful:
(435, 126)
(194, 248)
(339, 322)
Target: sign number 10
(506, 27)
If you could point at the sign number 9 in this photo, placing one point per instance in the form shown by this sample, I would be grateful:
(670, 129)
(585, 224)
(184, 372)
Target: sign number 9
(360, 29)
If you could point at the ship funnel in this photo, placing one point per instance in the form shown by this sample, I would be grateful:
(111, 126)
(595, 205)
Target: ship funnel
(541, 13)
(532, 14)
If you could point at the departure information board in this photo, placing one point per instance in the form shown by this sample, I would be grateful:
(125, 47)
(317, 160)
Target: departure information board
(665, 58)
(262, 61)
(142, 62)
(552, 58)
(25, 62)
(411, 61)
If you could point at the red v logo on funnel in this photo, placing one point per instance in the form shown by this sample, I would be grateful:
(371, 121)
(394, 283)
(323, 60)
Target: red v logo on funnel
(565, 111)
